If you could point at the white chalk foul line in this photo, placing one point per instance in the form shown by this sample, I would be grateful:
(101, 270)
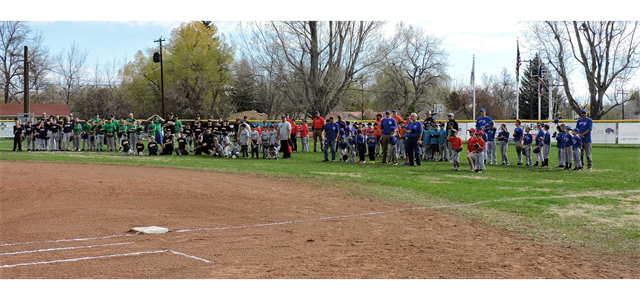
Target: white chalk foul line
(64, 248)
(190, 256)
(81, 258)
(70, 240)
(103, 256)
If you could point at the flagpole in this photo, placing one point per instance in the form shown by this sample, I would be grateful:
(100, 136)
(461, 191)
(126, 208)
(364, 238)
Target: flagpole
(550, 79)
(473, 79)
(518, 80)
(540, 89)
(518, 100)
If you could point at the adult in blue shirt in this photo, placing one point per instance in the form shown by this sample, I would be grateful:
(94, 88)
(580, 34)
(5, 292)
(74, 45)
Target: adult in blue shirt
(585, 126)
(385, 126)
(413, 133)
(483, 123)
(331, 130)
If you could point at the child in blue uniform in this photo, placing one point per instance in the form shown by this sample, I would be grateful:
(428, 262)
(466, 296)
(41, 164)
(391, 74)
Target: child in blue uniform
(393, 145)
(527, 140)
(568, 152)
(539, 144)
(576, 144)
(371, 144)
(360, 141)
(490, 133)
(503, 137)
(518, 133)
(547, 146)
(560, 145)
(344, 148)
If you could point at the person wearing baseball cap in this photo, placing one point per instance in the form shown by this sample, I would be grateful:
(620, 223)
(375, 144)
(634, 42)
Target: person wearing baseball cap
(456, 144)
(386, 126)
(393, 142)
(585, 126)
(518, 135)
(304, 135)
(284, 132)
(483, 123)
(413, 134)
(428, 120)
(318, 126)
(479, 148)
(331, 130)
(576, 144)
(471, 154)
(451, 124)
(568, 151)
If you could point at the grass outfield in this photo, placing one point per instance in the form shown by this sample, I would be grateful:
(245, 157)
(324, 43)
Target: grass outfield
(597, 210)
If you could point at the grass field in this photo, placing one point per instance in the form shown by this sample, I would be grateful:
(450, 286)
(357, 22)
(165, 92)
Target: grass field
(597, 211)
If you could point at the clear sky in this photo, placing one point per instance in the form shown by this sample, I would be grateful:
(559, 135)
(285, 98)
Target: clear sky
(492, 41)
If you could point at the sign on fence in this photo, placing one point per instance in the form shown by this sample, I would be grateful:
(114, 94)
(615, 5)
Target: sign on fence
(629, 133)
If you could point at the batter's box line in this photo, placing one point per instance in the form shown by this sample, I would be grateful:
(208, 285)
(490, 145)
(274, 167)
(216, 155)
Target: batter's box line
(103, 256)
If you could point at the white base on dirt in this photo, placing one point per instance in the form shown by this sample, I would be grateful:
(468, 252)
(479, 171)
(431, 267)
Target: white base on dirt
(150, 229)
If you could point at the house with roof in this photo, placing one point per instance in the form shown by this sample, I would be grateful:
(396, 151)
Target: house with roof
(10, 111)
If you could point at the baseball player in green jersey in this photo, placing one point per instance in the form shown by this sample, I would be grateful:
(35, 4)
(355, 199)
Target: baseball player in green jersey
(109, 129)
(86, 128)
(151, 129)
(77, 134)
(100, 136)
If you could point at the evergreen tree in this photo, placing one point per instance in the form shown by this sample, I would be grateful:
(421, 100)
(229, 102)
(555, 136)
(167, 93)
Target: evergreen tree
(529, 93)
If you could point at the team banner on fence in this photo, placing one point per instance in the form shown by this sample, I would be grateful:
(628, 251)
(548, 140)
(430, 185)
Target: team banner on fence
(629, 133)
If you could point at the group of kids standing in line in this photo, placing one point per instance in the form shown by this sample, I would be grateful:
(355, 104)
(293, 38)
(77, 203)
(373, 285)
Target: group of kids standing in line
(390, 135)
(432, 141)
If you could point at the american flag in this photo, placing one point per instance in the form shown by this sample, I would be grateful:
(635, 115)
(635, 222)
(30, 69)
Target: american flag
(518, 63)
(540, 82)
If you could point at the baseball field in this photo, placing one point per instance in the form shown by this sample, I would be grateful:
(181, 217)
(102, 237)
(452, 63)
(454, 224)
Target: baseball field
(70, 215)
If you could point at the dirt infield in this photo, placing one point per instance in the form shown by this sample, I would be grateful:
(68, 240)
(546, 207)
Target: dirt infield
(238, 226)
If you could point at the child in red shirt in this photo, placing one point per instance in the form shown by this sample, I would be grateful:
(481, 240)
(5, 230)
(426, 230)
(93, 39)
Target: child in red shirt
(471, 155)
(456, 144)
(304, 135)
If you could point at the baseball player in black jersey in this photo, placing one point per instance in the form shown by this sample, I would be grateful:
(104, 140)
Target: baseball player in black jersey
(139, 148)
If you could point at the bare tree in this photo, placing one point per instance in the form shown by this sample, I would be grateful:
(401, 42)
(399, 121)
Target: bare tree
(70, 68)
(606, 51)
(315, 61)
(13, 37)
(423, 61)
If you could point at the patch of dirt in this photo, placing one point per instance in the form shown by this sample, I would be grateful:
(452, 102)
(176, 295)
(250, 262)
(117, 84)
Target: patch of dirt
(241, 226)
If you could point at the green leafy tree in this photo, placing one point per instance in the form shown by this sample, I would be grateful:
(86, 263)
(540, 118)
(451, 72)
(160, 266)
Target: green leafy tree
(198, 71)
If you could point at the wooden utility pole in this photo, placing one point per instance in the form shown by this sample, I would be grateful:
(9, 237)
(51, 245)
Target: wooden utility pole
(26, 80)
(161, 75)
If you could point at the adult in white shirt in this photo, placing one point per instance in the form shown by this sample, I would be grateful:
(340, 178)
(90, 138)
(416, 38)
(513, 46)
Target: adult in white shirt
(284, 134)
